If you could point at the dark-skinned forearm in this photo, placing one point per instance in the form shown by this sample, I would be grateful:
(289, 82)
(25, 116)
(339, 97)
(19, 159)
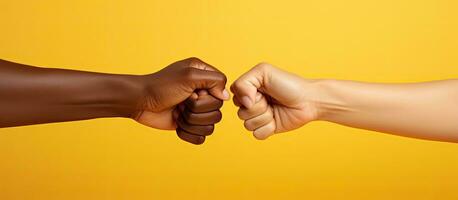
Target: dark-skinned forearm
(33, 95)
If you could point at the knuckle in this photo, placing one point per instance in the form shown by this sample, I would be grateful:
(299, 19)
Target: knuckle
(182, 123)
(208, 130)
(264, 105)
(218, 117)
(192, 105)
(260, 109)
(265, 132)
(237, 85)
(193, 59)
(218, 105)
(248, 125)
(271, 128)
(263, 66)
(194, 139)
(267, 112)
(188, 117)
(241, 113)
(259, 135)
(232, 88)
(223, 78)
(188, 73)
(261, 121)
(198, 130)
(195, 62)
(270, 114)
(235, 101)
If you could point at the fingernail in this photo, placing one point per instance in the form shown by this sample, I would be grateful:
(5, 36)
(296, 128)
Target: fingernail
(202, 92)
(225, 94)
(246, 101)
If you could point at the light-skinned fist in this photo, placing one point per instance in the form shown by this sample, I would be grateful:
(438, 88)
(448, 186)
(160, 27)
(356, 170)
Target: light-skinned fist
(271, 101)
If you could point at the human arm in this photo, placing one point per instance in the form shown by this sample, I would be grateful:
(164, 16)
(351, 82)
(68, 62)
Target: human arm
(35, 95)
(427, 110)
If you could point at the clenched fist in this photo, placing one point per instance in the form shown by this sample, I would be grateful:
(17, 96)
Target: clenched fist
(197, 116)
(272, 101)
(185, 96)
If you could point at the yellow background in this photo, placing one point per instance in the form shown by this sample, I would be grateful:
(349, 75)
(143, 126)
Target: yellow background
(382, 41)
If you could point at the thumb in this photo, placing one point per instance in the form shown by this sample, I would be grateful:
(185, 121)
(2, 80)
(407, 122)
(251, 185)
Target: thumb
(247, 85)
(213, 81)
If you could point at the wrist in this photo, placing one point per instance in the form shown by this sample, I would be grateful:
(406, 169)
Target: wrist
(326, 99)
(124, 95)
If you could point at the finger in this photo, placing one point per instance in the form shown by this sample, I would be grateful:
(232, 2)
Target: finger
(259, 121)
(194, 139)
(265, 131)
(245, 87)
(200, 64)
(175, 114)
(202, 93)
(236, 102)
(194, 95)
(203, 130)
(205, 103)
(205, 76)
(181, 107)
(257, 109)
(207, 118)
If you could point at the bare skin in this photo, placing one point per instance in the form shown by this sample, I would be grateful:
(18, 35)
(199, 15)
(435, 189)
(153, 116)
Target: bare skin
(186, 96)
(274, 101)
(197, 116)
(33, 95)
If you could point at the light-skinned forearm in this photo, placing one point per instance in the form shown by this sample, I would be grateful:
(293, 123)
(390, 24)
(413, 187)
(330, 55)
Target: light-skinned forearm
(426, 110)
